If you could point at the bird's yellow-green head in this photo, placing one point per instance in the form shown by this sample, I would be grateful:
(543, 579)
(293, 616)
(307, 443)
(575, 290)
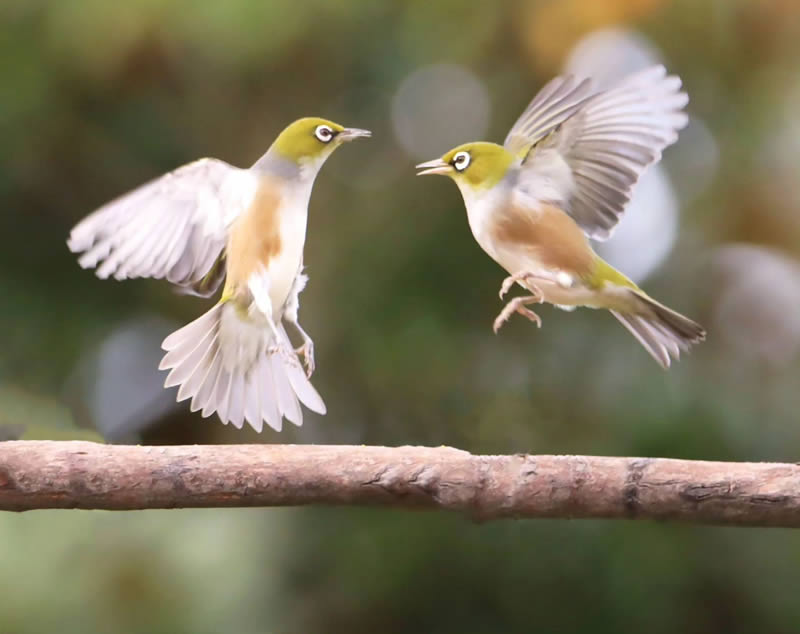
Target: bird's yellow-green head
(473, 165)
(312, 140)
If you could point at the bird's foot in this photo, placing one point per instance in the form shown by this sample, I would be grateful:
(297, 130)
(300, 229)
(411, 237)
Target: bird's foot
(286, 353)
(521, 276)
(307, 351)
(517, 305)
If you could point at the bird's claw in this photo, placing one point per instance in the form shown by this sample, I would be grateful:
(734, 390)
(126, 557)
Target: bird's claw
(521, 276)
(517, 305)
(286, 353)
(506, 286)
(307, 350)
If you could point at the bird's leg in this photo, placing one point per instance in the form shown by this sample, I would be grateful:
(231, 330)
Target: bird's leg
(290, 315)
(276, 346)
(517, 305)
(527, 279)
(259, 289)
(307, 349)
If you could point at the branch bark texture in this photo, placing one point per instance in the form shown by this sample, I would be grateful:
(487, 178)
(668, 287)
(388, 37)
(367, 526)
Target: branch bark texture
(46, 475)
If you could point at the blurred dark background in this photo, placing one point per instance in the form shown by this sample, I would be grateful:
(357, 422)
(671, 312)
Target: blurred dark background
(97, 97)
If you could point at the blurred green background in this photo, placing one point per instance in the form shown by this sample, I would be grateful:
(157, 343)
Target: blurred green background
(97, 97)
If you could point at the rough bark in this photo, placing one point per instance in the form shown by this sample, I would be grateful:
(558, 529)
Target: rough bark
(44, 474)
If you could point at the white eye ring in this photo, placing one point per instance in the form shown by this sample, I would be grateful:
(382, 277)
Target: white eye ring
(323, 133)
(461, 161)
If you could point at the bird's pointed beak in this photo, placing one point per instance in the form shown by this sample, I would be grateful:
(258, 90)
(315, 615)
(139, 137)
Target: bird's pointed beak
(348, 134)
(436, 166)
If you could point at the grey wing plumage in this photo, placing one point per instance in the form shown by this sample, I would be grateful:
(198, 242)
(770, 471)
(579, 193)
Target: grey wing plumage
(173, 228)
(558, 100)
(597, 153)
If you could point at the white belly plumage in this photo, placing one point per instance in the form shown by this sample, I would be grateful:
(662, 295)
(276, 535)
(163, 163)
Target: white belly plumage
(284, 267)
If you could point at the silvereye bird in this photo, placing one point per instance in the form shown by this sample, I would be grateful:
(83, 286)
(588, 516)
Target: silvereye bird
(207, 222)
(563, 175)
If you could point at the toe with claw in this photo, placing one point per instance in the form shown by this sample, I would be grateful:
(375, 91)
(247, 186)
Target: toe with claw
(286, 353)
(521, 276)
(517, 305)
(307, 351)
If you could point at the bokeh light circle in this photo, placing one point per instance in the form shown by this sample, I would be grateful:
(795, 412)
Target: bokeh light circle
(438, 107)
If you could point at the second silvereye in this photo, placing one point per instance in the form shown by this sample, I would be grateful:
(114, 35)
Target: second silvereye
(563, 175)
(207, 222)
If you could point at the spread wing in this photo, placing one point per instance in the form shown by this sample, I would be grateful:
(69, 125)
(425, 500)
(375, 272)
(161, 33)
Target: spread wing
(173, 228)
(557, 101)
(590, 160)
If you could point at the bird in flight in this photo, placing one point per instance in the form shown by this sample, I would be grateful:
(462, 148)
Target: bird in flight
(209, 222)
(563, 175)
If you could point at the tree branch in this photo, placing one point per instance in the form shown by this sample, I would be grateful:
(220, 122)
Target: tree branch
(45, 474)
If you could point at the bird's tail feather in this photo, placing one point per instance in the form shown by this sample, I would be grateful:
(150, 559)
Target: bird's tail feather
(228, 364)
(663, 332)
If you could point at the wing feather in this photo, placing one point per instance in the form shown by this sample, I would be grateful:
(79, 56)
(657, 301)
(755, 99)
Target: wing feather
(172, 228)
(560, 98)
(600, 145)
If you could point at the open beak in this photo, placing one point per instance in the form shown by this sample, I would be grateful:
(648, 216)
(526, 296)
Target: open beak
(348, 134)
(436, 166)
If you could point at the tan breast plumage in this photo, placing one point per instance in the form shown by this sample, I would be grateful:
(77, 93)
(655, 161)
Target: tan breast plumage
(548, 234)
(255, 237)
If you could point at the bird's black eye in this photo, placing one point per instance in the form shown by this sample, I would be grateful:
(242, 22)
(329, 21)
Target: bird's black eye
(461, 161)
(323, 133)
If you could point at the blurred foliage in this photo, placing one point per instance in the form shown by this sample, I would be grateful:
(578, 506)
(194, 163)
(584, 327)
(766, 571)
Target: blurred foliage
(97, 97)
